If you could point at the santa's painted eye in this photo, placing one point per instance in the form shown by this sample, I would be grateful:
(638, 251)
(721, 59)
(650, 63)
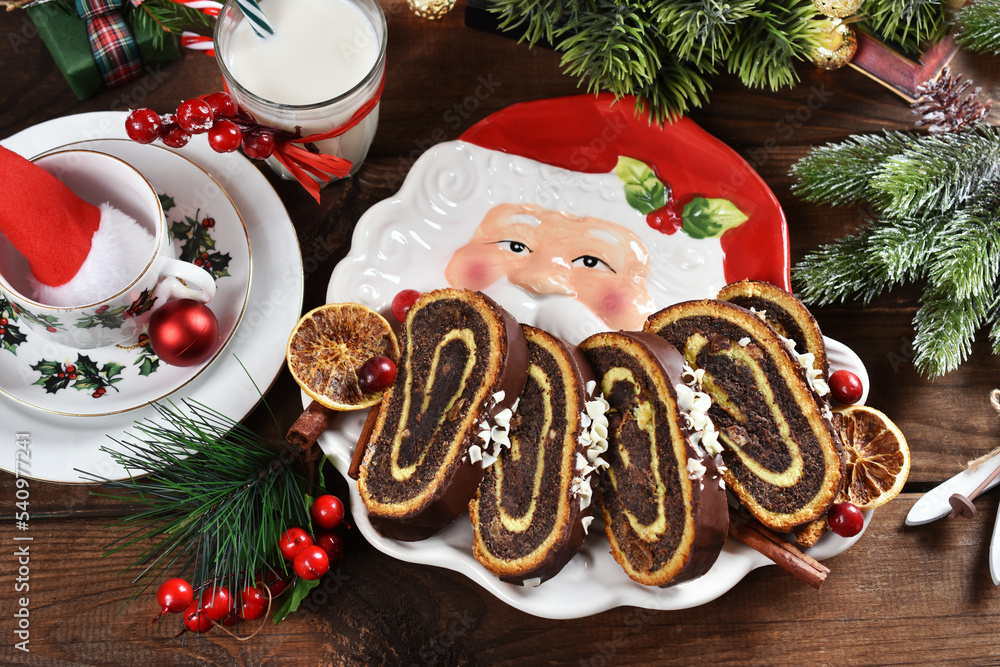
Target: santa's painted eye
(515, 247)
(591, 262)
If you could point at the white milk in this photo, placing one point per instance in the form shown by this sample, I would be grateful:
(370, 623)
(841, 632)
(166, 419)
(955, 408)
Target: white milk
(320, 49)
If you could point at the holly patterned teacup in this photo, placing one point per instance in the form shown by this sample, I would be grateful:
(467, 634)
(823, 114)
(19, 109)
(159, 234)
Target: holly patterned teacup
(122, 317)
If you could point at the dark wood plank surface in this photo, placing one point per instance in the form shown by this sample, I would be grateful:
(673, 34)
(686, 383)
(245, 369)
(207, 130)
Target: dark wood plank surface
(900, 596)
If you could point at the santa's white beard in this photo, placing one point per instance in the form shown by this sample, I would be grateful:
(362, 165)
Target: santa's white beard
(119, 251)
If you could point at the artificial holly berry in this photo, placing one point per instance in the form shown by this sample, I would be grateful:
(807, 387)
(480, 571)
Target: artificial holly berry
(258, 145)
(666, 219)
(174, 596)
(376, 374)
(175, 137)
(230, 620)
(223, 105)
(207, 223)
(402, 302)
(216, 602)
(845, 519)
(275, 584)
(311, 563)
(332, 543)
(143, 126)
(327, 511)
(100, 391)
(195, 620)
(846, 387)
(253, 604)
(292, 541)
(194, 116)
(224, 136)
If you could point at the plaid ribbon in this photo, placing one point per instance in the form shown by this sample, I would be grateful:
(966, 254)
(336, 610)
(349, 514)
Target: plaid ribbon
(111, 42)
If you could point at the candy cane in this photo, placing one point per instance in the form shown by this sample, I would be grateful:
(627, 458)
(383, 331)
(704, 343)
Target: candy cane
(196, 42)
(209, 7)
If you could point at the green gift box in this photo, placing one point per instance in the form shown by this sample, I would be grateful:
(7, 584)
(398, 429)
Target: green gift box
(65, 35)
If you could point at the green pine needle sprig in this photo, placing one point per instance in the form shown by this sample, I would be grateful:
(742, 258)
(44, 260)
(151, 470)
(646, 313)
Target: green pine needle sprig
(935, 219)
(214, 504)
(159, 17)
(978, 26)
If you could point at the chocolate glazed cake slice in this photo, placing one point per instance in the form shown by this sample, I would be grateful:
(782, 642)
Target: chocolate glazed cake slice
(533, 507)
(662, 498)
(463, 360)
(784, 462)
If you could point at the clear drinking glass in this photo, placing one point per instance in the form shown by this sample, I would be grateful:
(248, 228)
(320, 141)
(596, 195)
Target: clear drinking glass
(313, 118)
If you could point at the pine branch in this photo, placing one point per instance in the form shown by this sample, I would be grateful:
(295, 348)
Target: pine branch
(978, 26)
(966, 261)
(704, 31)
(945, 328)
(938, 173)
(158, 17)
(908, 23)
(216, 501)
(535, 20)
(771, 40)
(839, 174)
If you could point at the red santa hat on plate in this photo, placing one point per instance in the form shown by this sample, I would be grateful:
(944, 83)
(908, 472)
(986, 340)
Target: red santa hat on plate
(78, 253)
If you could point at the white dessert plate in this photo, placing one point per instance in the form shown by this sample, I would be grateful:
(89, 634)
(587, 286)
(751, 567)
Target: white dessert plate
(59, 447)
(408, 240)
(204, 226)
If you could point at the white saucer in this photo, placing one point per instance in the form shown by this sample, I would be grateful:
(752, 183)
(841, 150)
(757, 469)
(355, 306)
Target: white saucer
(60, 446)
(111, 379)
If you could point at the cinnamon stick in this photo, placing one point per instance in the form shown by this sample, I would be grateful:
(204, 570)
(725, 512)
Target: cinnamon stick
(786, 555)
(359, 449)
(310, 425)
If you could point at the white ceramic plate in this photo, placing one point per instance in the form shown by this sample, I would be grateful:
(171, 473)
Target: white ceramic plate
(130, 377)
(405, 242)
(60, 446)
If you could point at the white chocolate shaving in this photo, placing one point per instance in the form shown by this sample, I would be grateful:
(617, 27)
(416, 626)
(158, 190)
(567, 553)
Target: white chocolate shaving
(696, 469)
(585, 522)
(531, 583)
(808, 362)
(475, 453)
(744, 341)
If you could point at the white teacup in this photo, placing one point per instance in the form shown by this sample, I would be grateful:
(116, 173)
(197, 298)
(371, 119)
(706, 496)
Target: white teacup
(120, 318)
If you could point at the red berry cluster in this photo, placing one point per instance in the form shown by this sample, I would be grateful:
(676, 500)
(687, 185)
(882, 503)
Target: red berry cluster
(216, 115)
(216, 605)
(311, 558)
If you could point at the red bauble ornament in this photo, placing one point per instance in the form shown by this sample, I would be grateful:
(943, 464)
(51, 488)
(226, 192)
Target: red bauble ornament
(184, 332)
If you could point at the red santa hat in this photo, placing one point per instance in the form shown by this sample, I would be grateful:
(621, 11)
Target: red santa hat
(78, 253)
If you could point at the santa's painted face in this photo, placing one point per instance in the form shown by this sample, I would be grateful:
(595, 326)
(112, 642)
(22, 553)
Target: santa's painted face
(599, 263)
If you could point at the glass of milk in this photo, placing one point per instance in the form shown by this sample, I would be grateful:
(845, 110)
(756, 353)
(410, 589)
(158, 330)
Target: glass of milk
(325, 60)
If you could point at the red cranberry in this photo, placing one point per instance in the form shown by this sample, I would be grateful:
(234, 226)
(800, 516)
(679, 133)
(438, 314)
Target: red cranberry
(311, 563)
(258, 145)
(402, 302)
(292, 541)
(143, 126)
(332, 543)
(223, 105)
(327, 511)
(194, 116)
(845, 519)
(846, 387)
(225, 136)
(175, 137)
(377, 374)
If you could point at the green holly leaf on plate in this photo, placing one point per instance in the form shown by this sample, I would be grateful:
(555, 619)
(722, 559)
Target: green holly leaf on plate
(643, 190)
(711, 218)
(166, 201)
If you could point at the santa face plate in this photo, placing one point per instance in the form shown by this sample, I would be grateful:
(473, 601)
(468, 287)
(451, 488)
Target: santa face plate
(202, 228)
(576, 217)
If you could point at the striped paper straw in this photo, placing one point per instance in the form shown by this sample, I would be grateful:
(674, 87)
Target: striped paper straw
(258, 21)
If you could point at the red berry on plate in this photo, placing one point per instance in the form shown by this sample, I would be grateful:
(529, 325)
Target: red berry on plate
(292, 541)
(223, 105)
(845, 519)
(311, 563)
(258, 145)
(332, 543)
(143, 126)
(194, 116)
(175, 137)
(846, 387)
(225, 136)
(327, 511)
(377, 374)
(174, 596)
(402, 302)
(667, 219)
(253, 604)
(216, 602)
(195, 619)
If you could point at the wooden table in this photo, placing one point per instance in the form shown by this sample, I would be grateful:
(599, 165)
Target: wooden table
(900, 595)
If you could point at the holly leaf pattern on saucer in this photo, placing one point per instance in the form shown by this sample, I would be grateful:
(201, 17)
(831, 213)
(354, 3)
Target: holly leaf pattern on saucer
(10, 333)
(83, 375)
(198, 244)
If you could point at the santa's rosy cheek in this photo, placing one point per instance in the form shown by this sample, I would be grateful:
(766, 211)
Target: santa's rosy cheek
(471, 271)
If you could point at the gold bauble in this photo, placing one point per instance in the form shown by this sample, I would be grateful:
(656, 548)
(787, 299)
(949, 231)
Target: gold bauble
(838, 9)
(836, 46)
(431, 9)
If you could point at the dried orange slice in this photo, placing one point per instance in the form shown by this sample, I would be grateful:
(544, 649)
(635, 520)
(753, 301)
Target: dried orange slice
(327, 348)
(878, 459)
